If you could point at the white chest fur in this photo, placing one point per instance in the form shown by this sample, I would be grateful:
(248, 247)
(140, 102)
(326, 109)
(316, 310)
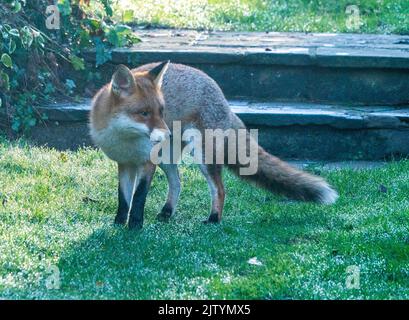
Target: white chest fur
(124, 140)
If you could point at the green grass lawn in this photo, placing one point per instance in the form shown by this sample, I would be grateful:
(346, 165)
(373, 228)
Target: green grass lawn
(57, 209)
(376, 16)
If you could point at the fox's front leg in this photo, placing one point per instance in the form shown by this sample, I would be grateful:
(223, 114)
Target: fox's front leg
(126, 182)
(142, 185)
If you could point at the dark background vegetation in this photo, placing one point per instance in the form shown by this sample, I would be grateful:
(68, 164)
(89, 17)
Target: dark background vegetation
(39, 65)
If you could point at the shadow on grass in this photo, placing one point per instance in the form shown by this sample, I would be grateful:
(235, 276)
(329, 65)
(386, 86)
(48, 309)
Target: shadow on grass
(187, 259)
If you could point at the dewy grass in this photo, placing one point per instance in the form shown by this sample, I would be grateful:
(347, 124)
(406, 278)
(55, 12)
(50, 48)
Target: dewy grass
(57, 238)
(362, 16)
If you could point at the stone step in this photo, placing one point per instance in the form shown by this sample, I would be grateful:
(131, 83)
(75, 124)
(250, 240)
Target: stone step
(277, 114)
(328, 132)
(289, 130)
(297, 67)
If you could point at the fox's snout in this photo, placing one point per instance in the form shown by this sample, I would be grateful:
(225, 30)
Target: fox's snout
(160, 134)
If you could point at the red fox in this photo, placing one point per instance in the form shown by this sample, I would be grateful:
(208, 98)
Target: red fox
(138, 108)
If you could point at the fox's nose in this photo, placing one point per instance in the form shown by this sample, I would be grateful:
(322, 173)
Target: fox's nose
(159, 135)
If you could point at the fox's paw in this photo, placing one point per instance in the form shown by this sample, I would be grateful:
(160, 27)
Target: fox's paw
(135, 224)
(120, 220)
(213, 218)
(162, 217)
(165, 213)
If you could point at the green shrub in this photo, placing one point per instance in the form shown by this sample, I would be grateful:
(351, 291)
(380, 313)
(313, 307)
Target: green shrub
(35, 62)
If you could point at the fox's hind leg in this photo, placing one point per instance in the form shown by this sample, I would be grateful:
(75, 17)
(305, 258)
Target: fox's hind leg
(172, 174)
(213, 174)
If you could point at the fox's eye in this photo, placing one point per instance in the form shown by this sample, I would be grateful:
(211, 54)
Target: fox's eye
(145, 113)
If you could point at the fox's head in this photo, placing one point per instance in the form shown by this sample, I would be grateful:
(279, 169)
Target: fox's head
(137, 98)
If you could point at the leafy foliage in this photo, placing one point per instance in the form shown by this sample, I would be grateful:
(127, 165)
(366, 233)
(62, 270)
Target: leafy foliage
(38, 64)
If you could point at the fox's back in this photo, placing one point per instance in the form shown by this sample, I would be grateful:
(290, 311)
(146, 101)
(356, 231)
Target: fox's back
(192, 97)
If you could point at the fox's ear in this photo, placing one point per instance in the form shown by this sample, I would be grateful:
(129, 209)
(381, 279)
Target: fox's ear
(158, 72)
(122, 82)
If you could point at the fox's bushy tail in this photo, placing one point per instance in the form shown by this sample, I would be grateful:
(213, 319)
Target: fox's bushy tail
(279, 177)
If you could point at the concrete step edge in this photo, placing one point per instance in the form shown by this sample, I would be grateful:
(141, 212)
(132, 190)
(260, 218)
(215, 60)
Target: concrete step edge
(277, 114)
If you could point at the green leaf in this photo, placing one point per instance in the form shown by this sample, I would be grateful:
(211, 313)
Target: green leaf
(12, 46)
(121, 28)
(113, 38)
(14, 32)
(128, 16)
(70, 84)
(95, 24)
(5, 80)
(17, 7)
(64, 6)
(117, 35)
(27, 37)
(49, 88)
(40, 40)
(15, 125)
(107, 6)
(6, 60)
(77, 62)
(32, 122)
(102, 53)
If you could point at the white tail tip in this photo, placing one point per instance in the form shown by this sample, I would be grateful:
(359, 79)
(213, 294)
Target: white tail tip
(328, 195)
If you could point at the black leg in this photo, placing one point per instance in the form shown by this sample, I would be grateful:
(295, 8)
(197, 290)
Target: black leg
(213, 218)
(138, 205)
(165, 213)
(122, 213)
